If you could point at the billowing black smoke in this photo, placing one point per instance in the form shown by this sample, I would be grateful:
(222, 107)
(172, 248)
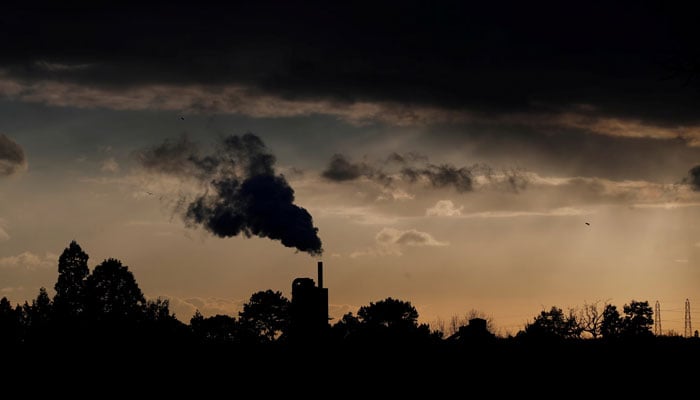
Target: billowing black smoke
(244, 196)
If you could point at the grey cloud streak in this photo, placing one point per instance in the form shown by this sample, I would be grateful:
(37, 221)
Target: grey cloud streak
(440, 176)
(341, 169)
(416, 168)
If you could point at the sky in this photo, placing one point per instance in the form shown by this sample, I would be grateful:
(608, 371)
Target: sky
(504, 157)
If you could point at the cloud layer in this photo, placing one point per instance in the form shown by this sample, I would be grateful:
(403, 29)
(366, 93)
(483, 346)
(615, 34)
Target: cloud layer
(29, 261)
(392, 242)
(444, 208)
(412, 168)
(625, 72)
(486, 57)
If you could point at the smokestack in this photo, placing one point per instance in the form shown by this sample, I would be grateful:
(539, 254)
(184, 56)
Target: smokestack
(320, 274)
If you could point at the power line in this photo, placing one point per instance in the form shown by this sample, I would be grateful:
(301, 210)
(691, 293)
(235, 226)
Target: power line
(678, 310)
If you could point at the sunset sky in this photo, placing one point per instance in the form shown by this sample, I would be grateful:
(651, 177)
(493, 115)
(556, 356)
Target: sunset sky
(449, 154)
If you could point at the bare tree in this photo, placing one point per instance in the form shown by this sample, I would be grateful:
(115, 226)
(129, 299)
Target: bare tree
(574, 323)
(439, 325)
(590, 317)
(673, 333)
(455, 322)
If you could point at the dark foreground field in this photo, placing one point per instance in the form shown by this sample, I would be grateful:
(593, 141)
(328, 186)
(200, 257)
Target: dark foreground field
(504, 367)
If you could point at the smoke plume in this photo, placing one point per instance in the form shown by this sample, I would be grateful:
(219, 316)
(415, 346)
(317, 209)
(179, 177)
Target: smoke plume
(693, 178)
(244, 195)
(12, 157)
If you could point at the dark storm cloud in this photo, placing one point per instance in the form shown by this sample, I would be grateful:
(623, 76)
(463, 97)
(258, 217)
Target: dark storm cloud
(488, 57)
(12, 157)
(245, 195)
(693, 178)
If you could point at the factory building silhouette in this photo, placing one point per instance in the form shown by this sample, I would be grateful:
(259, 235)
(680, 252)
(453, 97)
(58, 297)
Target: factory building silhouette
(309, 310)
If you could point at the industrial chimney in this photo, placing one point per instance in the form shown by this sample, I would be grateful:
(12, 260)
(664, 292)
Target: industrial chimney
(309, 310)
(320, 274)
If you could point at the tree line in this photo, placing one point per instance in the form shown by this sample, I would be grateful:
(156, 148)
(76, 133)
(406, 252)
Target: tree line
(107, 304)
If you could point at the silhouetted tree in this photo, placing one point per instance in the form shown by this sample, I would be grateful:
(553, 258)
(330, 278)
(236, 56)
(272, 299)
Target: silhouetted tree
(611, 325)
(25, 315)
(392, 321)
(347, 326)
(10, 322)
(590, 318)
(440, 325)
(554, 324)
(5, 306)
(37, 317)
(266, 314)
(197, 318)
(158, 310)
(41, 310)
(390, 313)
(113, 294)
(638, 320)
(216, 329)
(69, 300)
(162, 326)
